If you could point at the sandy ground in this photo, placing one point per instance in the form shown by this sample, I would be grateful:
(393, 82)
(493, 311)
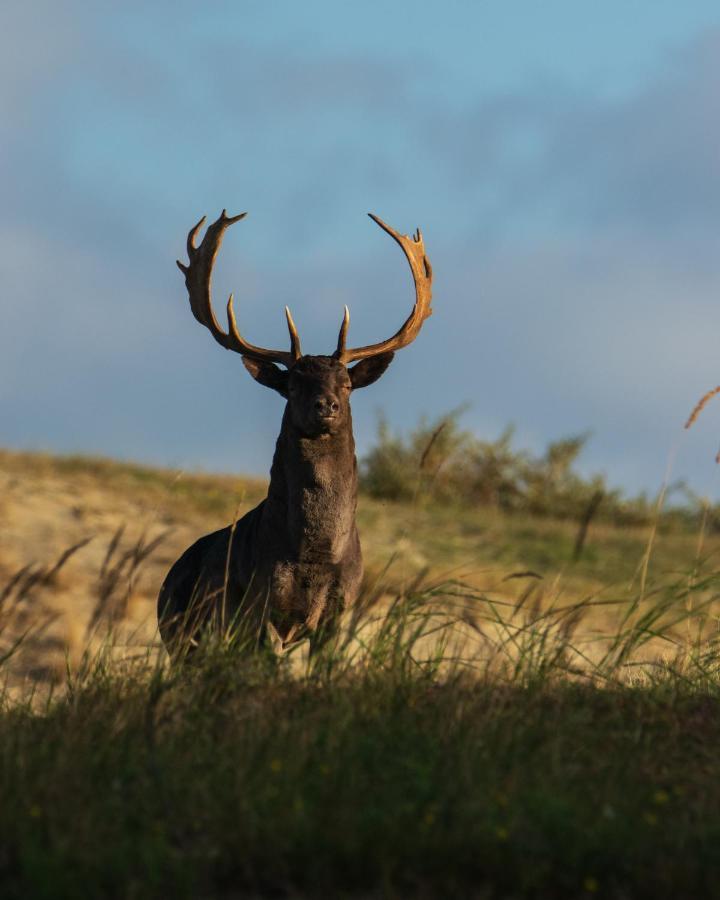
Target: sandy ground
(44, 515)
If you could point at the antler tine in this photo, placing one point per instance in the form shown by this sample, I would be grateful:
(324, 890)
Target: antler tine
(198, 278)
(294, 336)
(342, 337)
(192, 234)
(414, 250)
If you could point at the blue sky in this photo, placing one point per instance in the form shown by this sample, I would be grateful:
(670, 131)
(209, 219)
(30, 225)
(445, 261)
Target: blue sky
(562, 159)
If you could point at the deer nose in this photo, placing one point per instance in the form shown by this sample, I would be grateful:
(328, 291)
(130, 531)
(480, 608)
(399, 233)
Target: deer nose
(326, 406)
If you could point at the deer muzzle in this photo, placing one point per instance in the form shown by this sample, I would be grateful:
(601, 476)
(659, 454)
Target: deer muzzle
(326, 407)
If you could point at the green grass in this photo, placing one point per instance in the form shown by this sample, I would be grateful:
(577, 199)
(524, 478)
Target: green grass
(381, 769)
(558, 739)
(483, 542)
(229, 783)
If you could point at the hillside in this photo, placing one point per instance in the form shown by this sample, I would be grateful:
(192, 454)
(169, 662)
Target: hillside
(531, 757)
(128, 524)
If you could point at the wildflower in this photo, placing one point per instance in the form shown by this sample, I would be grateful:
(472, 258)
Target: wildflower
(650, 818)
(275, 765)
(591, 885)
(660, 798)
(501, 833)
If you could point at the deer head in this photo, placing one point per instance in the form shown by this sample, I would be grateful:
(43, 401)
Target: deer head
(317, 388)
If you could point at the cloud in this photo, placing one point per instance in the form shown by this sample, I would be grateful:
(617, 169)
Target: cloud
(572, 236)
(555, 157)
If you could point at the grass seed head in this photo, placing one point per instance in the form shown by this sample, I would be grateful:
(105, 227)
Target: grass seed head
(700, 405)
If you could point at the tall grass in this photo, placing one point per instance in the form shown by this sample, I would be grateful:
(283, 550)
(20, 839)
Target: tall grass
(20, 615)
(449, 743)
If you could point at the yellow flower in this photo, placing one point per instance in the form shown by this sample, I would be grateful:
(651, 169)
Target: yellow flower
(502, 833)
(591, 885)
(275, 765)
(650, 818)
(661, 797)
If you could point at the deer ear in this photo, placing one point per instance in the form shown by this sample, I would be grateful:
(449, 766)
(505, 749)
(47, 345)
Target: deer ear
(268, 374)
(369, 370)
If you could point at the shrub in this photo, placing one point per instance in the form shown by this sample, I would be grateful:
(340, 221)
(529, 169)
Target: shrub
(439, 462)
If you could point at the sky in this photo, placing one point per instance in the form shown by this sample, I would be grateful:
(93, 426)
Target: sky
(562, 160)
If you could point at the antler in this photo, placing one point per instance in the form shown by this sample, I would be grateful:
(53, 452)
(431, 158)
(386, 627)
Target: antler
(198, 277)
(414, 249)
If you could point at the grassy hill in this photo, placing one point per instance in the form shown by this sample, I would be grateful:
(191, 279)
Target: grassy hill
(117, 510)
(500, 719)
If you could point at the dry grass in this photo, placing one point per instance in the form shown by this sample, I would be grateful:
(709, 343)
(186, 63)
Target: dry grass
(115, 529)
(700, 405)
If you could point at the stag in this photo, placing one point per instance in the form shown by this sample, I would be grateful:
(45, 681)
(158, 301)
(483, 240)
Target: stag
(293, 563)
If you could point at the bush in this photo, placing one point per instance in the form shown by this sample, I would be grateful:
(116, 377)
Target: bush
(440, 462)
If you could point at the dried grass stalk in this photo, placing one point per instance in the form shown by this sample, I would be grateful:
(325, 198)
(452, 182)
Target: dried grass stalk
(700, 405)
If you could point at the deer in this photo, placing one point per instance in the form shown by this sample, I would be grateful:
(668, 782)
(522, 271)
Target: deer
(289, 567)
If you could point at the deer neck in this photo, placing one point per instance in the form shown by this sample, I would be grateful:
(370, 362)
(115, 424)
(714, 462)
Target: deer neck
(312, 496)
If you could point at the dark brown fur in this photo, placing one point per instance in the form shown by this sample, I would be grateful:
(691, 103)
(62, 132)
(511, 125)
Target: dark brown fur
(294, 561)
